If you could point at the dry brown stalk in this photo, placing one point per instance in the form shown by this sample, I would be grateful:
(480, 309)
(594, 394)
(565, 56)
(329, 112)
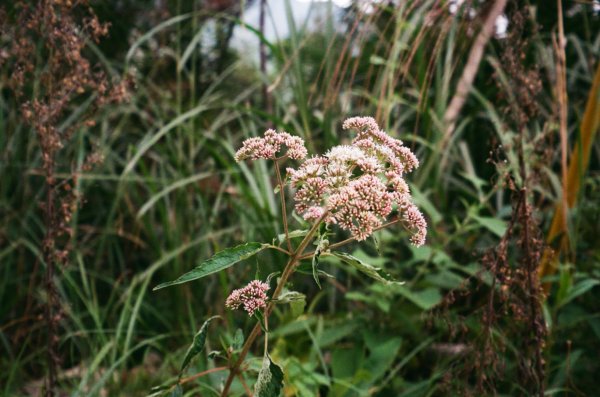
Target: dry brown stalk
(580, 158)
(470, 71)
(48, 45)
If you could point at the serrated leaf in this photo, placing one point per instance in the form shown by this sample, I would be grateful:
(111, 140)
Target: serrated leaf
(270, 379)
(372, 271)
(197, 345)
(220, 261)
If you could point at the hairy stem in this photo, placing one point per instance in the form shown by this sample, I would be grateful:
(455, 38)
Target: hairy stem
(287, 272)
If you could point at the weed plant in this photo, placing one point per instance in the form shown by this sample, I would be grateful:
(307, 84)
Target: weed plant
(169, 194)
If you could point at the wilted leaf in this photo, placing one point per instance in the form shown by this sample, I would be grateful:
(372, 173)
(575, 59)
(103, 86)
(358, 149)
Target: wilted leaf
(220, 261)
(197, 346)
(372, 271)
(270, 379)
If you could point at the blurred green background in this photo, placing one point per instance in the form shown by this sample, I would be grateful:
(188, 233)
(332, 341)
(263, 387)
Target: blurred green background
(169, 194)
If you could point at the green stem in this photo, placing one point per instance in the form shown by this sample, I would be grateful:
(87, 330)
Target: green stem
(348, 240)
(287, 272)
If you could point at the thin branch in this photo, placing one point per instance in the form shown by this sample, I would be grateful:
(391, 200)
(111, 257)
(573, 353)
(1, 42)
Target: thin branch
(279, 249)
(246, 388)
(201, 374)
(468, 76)
(348, 240)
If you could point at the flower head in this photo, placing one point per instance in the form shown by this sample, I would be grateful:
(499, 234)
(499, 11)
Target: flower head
(267, 146)
(357, 185)
(252, 297)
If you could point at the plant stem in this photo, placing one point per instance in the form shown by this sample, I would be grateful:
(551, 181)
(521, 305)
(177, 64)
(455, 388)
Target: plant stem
(201, 374)
(266, 349)
(246, 388)
(51, 293)
(287, 272)
(283, 211)
(349, 240)
(280, 249)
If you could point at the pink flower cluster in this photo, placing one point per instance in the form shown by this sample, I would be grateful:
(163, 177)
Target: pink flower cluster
(266, 147)
(252, 297)
(357, 185)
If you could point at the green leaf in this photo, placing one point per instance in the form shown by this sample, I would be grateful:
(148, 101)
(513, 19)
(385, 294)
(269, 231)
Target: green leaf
(496, 226)
(238, 339)
(258, 315)
(425, 299)
(220, 261)
(372, 271)
(292, 234)
(315, 268)
(306, 268)
(177, 392)
(579, 289)
(197, 346)
(270, 379)
(290, 296)
(322, 245)
(296, 300)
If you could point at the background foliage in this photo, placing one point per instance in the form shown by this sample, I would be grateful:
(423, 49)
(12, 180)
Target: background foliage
(169, 194)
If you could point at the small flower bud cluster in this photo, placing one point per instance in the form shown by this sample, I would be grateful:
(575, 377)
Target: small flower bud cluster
(360, 205)
(252, 297)
(266, 147)
(357, 185)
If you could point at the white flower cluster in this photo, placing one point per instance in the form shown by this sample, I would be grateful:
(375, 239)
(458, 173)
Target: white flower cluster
(251, 298)
(354, 186)
(357, 185)
(267, 146)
